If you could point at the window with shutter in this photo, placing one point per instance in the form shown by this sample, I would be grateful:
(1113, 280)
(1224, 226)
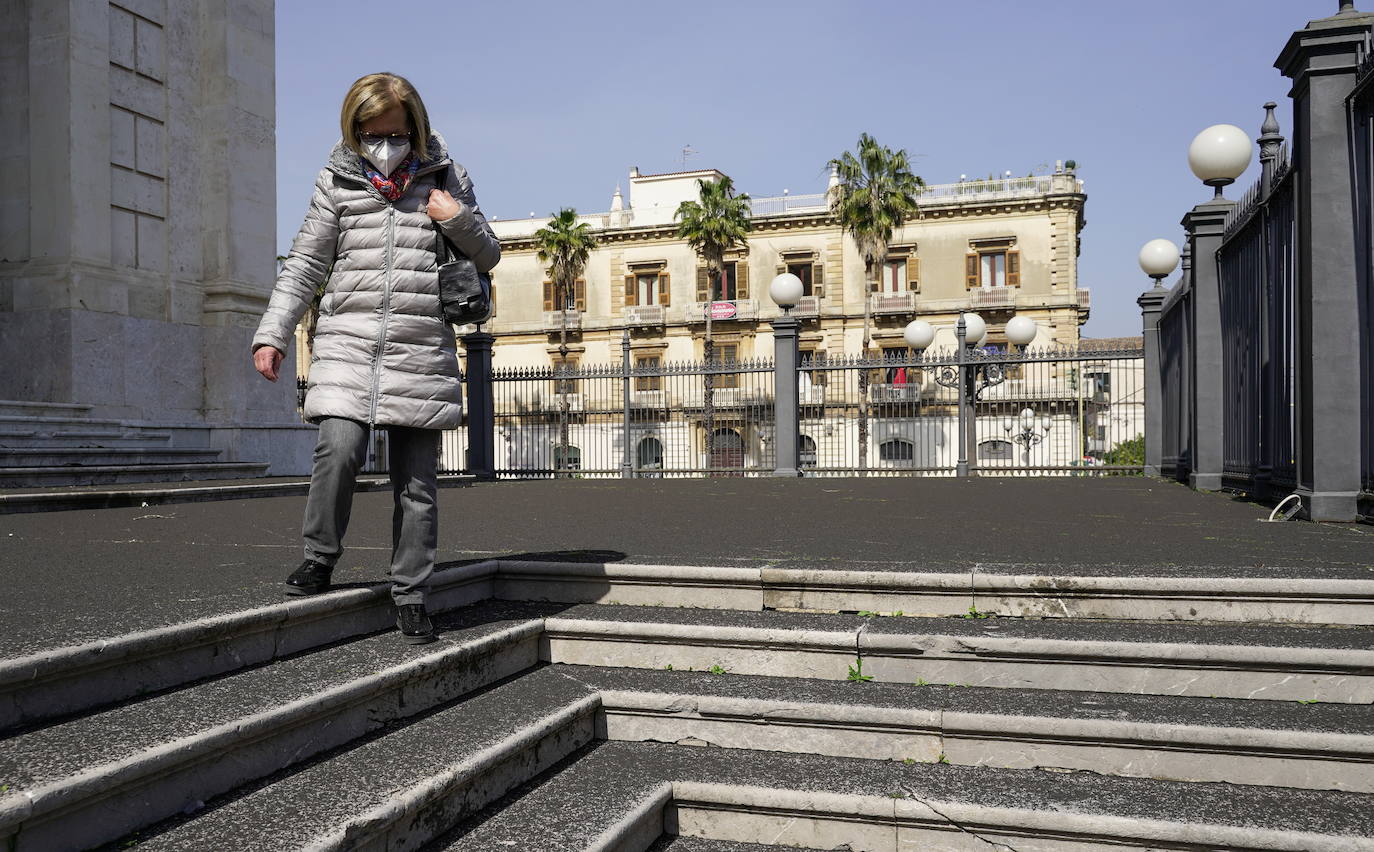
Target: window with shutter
(665, 290)
(894, 275)
(646, 285)
(648, 383)
(803, 271)
(971, 270)
(741, 280)
(703, 283)
(727, 353)
(548, 295)
(1013, 269)
(818, 280)
(580, 295)
(630, 293)
(913, 274)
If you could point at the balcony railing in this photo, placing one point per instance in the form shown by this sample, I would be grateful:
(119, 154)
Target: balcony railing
(553, 320)
(644, 315)
(744, 309)
(649, 399)
(894, 393)
(809, 306)
(555, 401)
(993, 298)
(892, 303)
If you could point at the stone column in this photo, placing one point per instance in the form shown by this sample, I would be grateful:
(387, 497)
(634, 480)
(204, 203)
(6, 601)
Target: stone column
(1151, 303)
(785, 395)
(481, 407)
(1204, 225)
(1322, 61)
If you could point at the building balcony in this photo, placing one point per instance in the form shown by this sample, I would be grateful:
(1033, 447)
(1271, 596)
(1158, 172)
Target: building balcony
(993, 298)
(892, 303)
(649, 399)
(553, 320)
(555, 402)
(637, 316)
(894, 393)
(725, 311)
(808, 307)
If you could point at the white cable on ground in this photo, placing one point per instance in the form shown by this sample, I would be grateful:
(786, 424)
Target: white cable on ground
(1282, 503)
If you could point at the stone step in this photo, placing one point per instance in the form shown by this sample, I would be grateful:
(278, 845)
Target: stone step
(48, 425)
(619, 794)
(66, 475)
(86, 781)
(78, 678)
(1278, 662)
(674, 843)
(1331, 595)
(1272, 743)
(402, 789)
(19, 408)
(78, 439)
(49, 456)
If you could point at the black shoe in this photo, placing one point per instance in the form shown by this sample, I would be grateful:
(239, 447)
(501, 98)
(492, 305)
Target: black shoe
(414, 624)
(309, 579)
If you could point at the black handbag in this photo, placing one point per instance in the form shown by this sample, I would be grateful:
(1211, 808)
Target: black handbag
(464, 292)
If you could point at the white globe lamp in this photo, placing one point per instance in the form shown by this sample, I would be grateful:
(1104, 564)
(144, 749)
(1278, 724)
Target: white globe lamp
(1159, 258)
(1219, 155)
(919, 335)
(975, 330)
(1021, 330)
(786, 290)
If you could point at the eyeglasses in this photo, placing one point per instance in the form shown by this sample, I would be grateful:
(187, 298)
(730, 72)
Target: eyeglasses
(374, 138)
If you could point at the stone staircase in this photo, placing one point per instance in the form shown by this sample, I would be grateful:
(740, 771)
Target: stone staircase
(716, 709)
(57, 444)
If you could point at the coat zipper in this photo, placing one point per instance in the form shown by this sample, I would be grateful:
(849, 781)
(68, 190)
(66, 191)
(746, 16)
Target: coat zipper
(386, 313)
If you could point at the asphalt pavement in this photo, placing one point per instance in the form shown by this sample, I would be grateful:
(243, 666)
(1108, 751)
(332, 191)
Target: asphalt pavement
(75, 576)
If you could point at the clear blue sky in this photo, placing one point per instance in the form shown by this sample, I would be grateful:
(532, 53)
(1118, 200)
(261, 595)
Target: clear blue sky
(549, 104)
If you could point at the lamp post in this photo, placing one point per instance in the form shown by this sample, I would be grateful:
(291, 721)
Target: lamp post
(785, 290)
(1158, 259)
(1219, 155)
(1030, 430)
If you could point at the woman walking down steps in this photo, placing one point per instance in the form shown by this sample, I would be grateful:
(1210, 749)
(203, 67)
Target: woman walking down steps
(383, 355)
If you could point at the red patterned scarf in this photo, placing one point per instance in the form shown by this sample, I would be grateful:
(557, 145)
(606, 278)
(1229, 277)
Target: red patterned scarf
(392, 187)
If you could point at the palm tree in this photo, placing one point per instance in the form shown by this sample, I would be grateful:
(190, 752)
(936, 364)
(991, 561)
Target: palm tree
(877, 192)
(564, 244)
(715, 223)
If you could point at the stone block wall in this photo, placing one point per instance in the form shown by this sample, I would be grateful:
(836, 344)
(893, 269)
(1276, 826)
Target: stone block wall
(137, 232)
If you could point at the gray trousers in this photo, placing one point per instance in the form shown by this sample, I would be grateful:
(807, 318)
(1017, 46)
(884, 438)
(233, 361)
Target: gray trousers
(413, 456)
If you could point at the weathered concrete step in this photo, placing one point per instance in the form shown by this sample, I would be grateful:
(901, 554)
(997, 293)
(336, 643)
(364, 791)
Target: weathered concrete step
(23, 457)
(1174, 593)
(619, 792)
(400, 790)
(49, 424)
(19, 408)
(115, 438)
(1275, 743)
(200, 491)
(89, 780)
(674, 843)
(1286, 663)
(81, 677)
(31, 477)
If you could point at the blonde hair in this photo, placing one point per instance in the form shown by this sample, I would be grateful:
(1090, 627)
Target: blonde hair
(374, 94)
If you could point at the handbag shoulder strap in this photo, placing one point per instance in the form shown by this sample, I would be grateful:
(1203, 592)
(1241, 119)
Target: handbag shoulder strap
(441, 255)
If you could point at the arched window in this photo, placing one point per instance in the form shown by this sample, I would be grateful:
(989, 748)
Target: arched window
(649, 454)
(995, 451)
(727, 453)
(567, 458)
(896, 450)
(806, 452)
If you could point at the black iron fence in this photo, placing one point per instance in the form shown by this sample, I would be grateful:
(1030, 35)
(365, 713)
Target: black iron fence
(1265, 375)
(1050, 412)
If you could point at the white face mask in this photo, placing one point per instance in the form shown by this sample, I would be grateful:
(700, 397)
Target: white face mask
(386, 155)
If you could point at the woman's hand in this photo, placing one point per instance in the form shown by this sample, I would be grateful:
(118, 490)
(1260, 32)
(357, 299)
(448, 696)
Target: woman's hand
(441, 205)
(267, 359)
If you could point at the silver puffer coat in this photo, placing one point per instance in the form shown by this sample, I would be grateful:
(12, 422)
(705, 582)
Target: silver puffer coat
(383, 353)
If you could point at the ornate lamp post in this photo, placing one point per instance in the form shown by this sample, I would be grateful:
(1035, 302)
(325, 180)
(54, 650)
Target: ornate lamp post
(972, 373)
(786, 290)
(1158, 259)
(1029, 430)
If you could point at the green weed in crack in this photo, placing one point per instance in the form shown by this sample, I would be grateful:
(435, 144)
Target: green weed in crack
(856, 671)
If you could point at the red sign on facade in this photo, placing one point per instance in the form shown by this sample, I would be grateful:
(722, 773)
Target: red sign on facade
(722, 310)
